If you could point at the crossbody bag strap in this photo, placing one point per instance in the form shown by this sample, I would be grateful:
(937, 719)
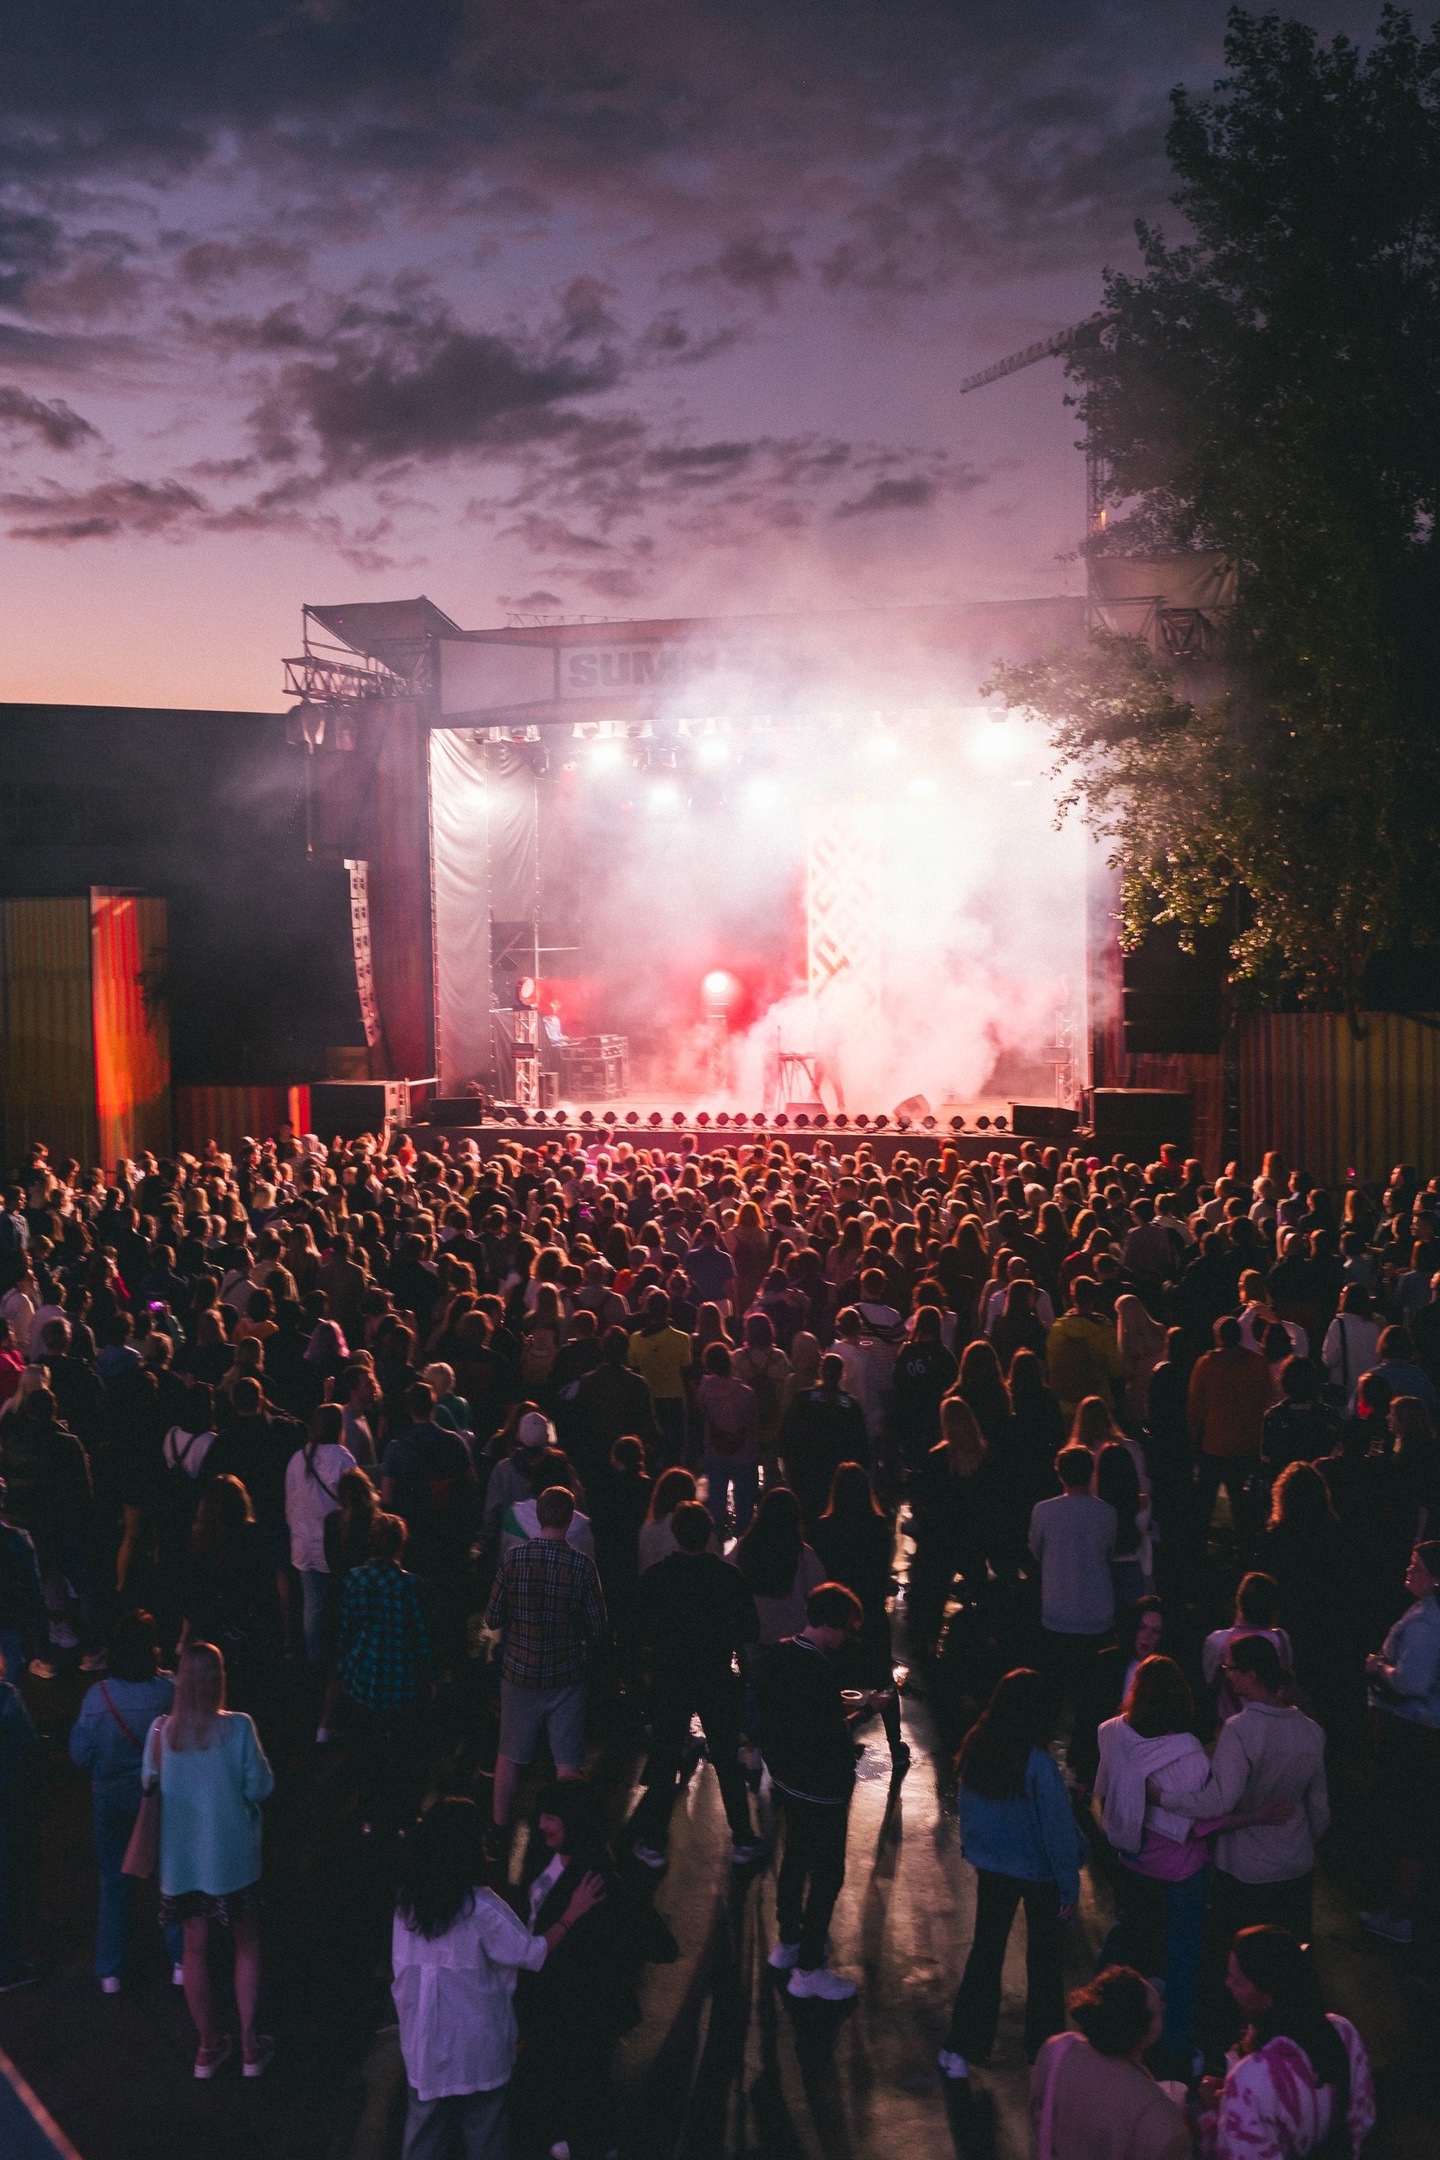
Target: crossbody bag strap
(138, 1745)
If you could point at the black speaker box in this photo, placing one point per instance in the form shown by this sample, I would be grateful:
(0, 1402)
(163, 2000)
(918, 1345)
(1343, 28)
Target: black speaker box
(1140, 1118)
(1042, 1121)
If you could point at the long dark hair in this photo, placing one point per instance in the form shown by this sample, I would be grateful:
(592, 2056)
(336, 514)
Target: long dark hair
(1274, 1961)
(996, 1755)
(769, 1552)
(1117, 1481)
(442, 1864)
(982, 1384)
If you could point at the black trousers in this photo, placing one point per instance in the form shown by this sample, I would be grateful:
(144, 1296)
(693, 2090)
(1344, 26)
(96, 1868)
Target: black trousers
(977, 2005)
(811, 1874)
(716, 1698)
(1068, 1662)
(1235, 1905)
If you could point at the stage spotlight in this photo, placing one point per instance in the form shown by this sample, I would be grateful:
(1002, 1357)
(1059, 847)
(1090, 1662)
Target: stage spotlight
(655, 1118)
(711, 750)
(902, 1124)
(604, 756)
(819, 1120)
(610, 1118)
(881, 1122)
(763, 796)
(632, 1117)
(781, 1122)
(522, 1117)
(587, 1117)
(758, 1119)
(722, 1117)
(928, 1123)
(841, 1120)
(982, 1124)
(719, 990)
(537, 757)
(1002, 1124)
(665, 798)
(703, 1118)
(883, 745)
(802, 1119)
(957, 1124)
(678, 1118)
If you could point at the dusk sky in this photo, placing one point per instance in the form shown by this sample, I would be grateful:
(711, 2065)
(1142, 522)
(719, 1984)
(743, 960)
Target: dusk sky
(558, 307)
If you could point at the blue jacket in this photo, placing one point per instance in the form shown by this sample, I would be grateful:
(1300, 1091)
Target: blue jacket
(1412, 1650)
(97, 1743)
(1034, 1837)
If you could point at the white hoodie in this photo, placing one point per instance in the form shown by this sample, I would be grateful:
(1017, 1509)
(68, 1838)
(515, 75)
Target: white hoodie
(1126, 1761)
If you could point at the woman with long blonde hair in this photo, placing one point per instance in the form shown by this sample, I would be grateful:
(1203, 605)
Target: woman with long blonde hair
(212, 1775)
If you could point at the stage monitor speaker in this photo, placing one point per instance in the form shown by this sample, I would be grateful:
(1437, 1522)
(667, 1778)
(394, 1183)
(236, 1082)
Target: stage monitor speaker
(549, 1090)
(1172, 997)
(1042, 1121)
(351, 1107)
(1139, 1119)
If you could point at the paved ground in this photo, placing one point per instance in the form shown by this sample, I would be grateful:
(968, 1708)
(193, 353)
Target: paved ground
(723, 2065)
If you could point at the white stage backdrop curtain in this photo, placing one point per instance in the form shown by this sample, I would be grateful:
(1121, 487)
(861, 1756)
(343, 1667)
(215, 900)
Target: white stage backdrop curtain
(482, 842)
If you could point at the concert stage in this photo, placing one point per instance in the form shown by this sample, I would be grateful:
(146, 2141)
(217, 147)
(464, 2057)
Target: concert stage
(778, 867)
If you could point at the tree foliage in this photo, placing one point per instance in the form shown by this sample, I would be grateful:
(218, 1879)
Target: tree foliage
(1270, 387)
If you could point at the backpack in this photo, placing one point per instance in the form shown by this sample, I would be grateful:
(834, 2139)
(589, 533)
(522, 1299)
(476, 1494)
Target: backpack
(762, 1384)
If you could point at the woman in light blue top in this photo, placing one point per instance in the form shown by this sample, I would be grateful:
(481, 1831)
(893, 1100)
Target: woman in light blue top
(212, 1775)
(1018, 1833)
(108, 1740)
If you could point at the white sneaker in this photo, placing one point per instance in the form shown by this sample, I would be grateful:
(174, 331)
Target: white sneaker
(110, 1983)
(1381, 1923)
(821, 1985)
(953, 2065)
(784, 1957)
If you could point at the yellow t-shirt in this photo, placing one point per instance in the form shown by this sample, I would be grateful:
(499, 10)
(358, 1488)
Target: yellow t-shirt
(662, 1361)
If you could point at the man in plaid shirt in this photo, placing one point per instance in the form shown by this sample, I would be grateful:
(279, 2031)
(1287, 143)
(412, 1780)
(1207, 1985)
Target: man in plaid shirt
(548, 1603)
(386, 1667)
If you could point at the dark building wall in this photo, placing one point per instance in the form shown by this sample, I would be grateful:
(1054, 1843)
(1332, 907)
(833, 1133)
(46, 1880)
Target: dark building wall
(206, 809)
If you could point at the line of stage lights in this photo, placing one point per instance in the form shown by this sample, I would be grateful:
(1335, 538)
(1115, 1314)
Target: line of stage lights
(724, 1120)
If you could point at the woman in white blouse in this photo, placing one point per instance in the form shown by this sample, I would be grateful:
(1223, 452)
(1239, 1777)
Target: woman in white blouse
(312, 1491)
(456, 1951)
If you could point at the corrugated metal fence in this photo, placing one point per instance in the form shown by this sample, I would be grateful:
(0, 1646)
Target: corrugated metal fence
(1334, 1105)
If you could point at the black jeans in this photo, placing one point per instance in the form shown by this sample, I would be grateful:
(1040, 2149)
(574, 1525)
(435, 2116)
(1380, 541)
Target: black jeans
(675, 1698)
(977, 2005)
(815, 1855)
(1068, 1663)
(1235, 1905)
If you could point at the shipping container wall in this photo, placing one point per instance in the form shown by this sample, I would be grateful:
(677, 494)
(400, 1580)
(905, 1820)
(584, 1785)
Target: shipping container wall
(1335, 1106)
(227, 1115)
(47, 1068)
(128, 947)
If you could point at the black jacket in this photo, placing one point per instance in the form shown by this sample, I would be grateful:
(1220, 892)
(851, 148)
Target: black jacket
(695, 1611)
(805, 1738)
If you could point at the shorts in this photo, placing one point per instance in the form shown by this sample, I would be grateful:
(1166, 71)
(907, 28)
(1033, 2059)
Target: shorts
(1407, 1783)
(200, 1905)
(561, 1710)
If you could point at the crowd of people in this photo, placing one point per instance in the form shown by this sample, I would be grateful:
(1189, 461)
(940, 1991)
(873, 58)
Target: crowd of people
(582, 1437)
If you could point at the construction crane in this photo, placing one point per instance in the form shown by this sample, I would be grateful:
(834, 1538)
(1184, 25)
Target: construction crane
(1051, 348)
